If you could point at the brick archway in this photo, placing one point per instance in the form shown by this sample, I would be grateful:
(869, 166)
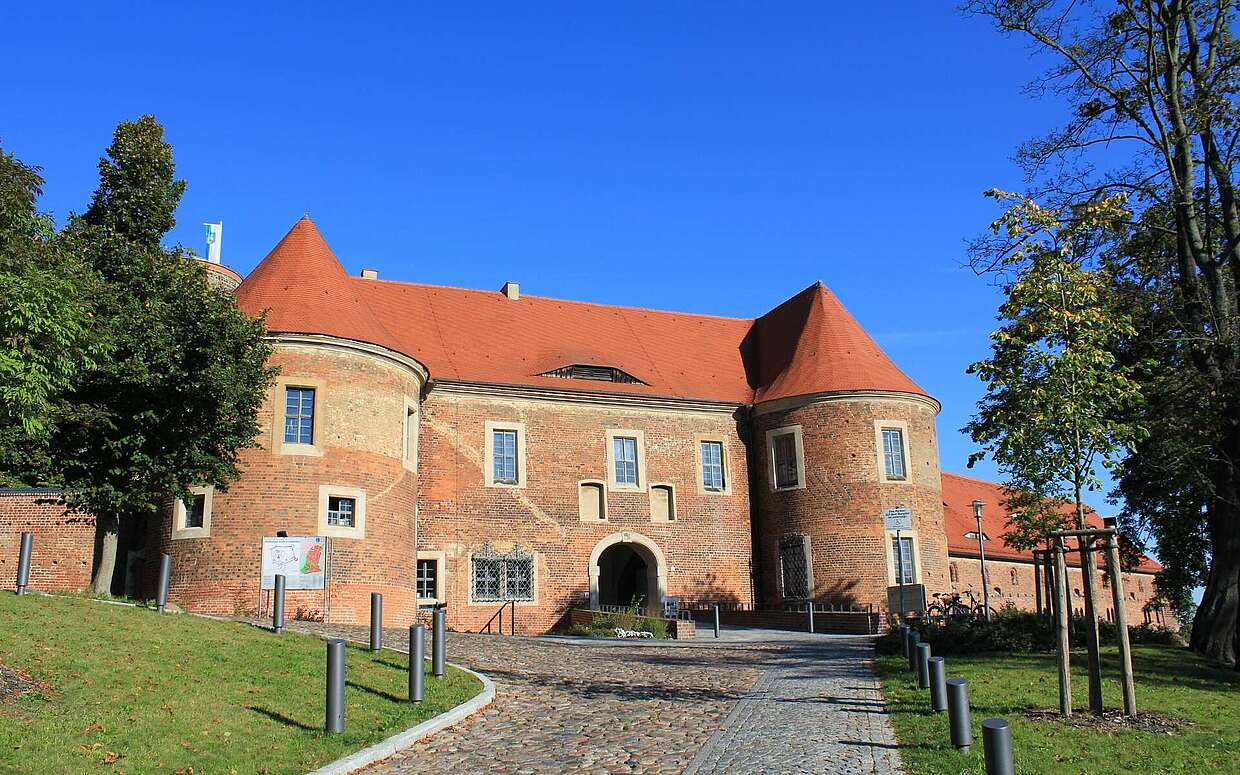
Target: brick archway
(648, 551)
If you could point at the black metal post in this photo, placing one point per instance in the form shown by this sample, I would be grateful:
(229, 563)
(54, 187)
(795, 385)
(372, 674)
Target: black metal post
(716, 621)
(959, 717)
(165, 580)
(914, 638)
(417, 662)
(376, 622)
(438, 642)
(997, 747)
(810, 607)
(904, 628)
(277, 604)
(23, 563)
(923, 665)
(938, 684)
(335, 685)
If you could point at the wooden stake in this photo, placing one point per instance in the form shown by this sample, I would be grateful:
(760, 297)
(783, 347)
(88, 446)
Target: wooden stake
(1063, 617)
(1121, 626)
(1037, 580)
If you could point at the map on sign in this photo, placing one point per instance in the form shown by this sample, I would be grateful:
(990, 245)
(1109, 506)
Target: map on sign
(900, 518)
(299, 559)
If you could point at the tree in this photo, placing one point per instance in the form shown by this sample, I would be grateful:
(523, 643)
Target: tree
(1153, 87)
(47, 334)
(1054, 389)
(180, 392)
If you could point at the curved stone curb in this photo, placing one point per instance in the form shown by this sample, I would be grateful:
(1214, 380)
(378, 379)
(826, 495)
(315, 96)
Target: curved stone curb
(401, 740)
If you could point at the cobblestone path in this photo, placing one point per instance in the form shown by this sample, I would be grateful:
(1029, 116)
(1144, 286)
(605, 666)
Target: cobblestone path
(751, 702)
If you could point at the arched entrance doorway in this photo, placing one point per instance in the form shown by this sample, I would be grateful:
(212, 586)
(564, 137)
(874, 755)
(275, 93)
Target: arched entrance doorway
(625, 567)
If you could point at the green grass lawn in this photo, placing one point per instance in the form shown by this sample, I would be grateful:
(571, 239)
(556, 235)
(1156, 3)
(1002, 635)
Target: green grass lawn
(136, 692)
(1170, 681)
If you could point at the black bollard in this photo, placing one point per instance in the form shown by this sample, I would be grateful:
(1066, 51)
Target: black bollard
(417, 662)
(716, 621)
(376, 622)
(914, 637)
(923, 665)
(959, 718)
(23, 563)
(277, 604)
(165, 580)
(904, 628)
(810, 608)
(938, 684)
(438, 643)
(997, 747)
(335, 685)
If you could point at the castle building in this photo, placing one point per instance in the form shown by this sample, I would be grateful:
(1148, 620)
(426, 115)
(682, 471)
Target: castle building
(485, 449)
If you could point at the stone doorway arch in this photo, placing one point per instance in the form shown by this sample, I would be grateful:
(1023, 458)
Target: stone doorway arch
(627, 562)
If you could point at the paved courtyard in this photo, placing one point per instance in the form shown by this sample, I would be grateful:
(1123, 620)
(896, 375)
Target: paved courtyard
(754, 701)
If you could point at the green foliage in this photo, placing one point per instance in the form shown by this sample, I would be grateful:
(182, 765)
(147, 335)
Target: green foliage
(1055, 393)
(138, 194)
(604, 625)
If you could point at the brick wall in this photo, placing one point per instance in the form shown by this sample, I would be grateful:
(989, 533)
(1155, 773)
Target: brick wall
(840, 508)
(706, 548)
(63, 550)
(1014, 583)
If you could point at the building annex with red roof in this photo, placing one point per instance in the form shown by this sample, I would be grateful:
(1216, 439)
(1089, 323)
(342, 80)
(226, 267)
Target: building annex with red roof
(489, 449)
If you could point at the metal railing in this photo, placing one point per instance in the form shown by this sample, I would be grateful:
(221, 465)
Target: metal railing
(497, 618)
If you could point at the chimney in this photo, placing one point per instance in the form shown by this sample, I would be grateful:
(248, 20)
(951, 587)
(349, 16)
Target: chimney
(511, 290)
(370, 274)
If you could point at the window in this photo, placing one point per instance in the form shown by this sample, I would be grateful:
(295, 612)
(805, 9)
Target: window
(591, 501)
(786, 461)
(340, 511)
(625, 451)
(298, 415)
(902, 558)
(427, 580)
(497, 577)
(504, 456)
(794, 566)
(953, 572)
(712, 465)
(195, 510)
(893, 454)
(599, 373)
(191, 518)
(662, 503)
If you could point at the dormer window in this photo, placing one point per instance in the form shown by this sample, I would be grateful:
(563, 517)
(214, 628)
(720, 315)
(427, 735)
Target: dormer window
(596, 373)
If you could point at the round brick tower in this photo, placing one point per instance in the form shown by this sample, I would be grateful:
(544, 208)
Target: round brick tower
(840, 435)
(336, 455)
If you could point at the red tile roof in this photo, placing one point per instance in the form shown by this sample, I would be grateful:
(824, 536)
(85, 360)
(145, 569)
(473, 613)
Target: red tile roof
(959, 492)
(809, 344)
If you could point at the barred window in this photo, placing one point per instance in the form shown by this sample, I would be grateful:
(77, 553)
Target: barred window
(504, 456)
(496, 577)
(195, 509)
(712, 465)
(626, 460)
(893, 453)
(794, 566)
(427, 582)
(340, 511)
(298, 415)
(786, 461)
(902, 557)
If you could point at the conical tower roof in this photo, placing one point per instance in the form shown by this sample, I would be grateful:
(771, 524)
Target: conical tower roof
(305, 290)
(811, 344)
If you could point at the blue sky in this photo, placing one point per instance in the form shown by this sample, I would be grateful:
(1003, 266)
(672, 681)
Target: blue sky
(705, 157)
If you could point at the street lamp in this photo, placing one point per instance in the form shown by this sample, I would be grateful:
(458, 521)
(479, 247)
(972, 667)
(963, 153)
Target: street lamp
(981, 553)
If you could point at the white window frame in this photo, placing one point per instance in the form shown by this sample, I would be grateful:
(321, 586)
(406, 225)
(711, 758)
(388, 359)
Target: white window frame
(640, 439)
(671, 502)
(488, 462)
(441, 577)
(700, 440)
(798, 445)
(891, 556)
(411, 436)
(358, 495)
(179, 514)
(279, 445)
(902, 427)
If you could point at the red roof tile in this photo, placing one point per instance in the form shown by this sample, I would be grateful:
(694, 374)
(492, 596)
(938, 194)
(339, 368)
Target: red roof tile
(809, 344)
(959, 492)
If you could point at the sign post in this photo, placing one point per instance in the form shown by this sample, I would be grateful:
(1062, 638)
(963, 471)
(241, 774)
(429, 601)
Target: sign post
(899, 519)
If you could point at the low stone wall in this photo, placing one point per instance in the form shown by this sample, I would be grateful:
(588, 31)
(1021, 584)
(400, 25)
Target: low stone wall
(64, 544)
(837, 622)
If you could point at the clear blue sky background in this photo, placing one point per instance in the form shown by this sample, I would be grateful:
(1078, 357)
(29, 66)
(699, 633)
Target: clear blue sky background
(710, 157)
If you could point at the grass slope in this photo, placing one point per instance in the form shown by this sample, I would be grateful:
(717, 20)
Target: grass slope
(1170, 681)
(133, 691)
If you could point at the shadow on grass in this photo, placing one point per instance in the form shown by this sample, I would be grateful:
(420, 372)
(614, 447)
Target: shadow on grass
(376, 692)
(281, 718)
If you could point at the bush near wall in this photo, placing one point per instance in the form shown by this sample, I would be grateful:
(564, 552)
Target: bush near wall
(1015, 632)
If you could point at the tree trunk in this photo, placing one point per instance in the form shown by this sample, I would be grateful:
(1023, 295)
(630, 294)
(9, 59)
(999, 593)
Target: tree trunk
(1089, 571)
(1216, 628)
(106, 535)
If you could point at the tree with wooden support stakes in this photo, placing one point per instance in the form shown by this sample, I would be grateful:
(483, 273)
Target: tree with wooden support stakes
(1055, 395)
